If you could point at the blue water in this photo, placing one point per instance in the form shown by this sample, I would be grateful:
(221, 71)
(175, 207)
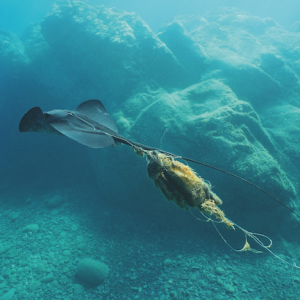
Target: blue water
(16, 15)
(216, 82)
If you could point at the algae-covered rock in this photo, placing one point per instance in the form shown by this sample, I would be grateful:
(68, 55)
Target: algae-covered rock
(92, 271)
(242, 48)
(189, 53)
(119, 49)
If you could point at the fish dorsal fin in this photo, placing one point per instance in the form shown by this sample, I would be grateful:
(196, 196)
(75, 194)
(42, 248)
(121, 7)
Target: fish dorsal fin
(96, 111)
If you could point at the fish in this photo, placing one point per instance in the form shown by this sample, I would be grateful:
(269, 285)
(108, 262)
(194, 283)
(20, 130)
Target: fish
(90, 124)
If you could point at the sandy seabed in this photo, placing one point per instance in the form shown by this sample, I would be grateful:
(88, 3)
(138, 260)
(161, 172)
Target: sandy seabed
(43, 237)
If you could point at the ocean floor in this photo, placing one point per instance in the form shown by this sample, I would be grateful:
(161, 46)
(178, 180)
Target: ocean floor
(43, 237)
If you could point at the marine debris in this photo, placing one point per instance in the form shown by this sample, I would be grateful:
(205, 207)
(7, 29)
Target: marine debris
(180, 184)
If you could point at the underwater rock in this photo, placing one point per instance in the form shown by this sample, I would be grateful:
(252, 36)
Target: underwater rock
(78, 289)
(12, 51)
(55, 201)
(117, 47)
(167, 262)
(39, 268)
(285, 135)
(92, 271)
(34, 43)
(237, 43)
(220, 271)
(189, 53)
(82, 246)
(67, 253)
(47, 279)
(229, 288)
(243, 80)
(234, 17)
(276, 66)
(31, 227)
(224, 43)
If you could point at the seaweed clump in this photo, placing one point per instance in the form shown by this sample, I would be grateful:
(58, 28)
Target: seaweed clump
(180, 184)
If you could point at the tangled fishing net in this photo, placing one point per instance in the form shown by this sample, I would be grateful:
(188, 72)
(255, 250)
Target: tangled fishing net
(181, 185)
